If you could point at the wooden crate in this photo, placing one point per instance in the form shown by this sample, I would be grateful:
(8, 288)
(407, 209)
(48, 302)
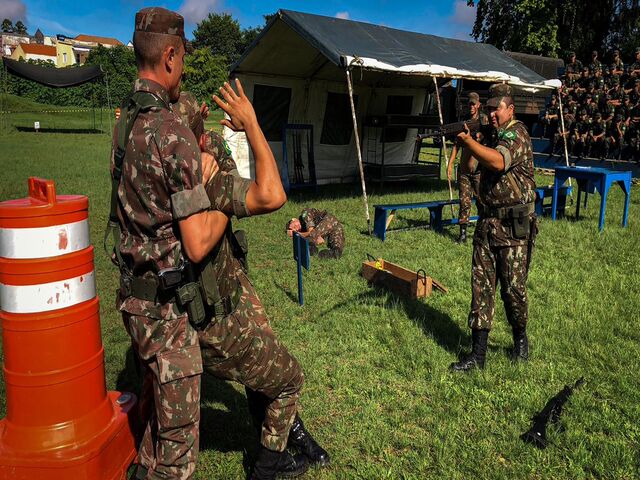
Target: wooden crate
(399, 280)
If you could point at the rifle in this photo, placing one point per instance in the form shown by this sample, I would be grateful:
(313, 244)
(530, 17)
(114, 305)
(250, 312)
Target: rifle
(451, 130)
(537, 434)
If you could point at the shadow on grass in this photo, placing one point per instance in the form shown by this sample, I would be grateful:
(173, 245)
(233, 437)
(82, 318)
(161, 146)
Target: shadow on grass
(59, 130)
(292, 295)
(433, 322)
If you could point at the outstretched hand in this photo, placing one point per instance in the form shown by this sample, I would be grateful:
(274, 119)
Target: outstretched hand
(237, 106)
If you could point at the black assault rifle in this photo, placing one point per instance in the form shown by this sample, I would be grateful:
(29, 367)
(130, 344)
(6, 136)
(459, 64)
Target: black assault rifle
(451, 130)
(537, 435)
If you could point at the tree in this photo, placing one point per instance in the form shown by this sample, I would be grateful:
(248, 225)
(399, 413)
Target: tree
(221, 34)
(119, 65)
(204, 73)
(554, 27)
(7, 26)
(20, 27)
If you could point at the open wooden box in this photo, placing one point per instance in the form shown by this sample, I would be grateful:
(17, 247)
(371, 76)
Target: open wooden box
(399, 280)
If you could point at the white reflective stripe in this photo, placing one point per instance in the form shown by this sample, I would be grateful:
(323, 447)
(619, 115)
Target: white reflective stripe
(45, 241)
(47, 296)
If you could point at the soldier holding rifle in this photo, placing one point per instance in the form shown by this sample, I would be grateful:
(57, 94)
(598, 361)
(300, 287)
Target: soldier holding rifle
(505, 234)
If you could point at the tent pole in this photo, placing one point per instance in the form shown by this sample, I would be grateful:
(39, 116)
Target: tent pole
(564, 135)
(359, 151)
(444, 141)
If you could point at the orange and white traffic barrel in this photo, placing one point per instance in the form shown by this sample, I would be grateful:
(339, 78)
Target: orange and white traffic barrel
(60, 420)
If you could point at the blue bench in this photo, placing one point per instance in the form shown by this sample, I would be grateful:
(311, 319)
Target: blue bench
(384, 215)
(543, 193)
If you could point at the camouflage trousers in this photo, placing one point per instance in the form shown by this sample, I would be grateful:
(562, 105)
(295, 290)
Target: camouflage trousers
(468, 187)
(169, 405)
(509, 265)
(242, 347)
(331, 230)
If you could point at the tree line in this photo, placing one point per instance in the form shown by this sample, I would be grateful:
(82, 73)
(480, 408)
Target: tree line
(554, 28)
(218, 42)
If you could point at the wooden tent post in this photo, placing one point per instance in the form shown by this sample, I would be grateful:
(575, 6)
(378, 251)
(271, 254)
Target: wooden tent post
(444, 141)
(564, 134)
(359, 151)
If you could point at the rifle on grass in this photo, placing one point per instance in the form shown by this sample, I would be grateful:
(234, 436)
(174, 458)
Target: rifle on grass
(537, 434)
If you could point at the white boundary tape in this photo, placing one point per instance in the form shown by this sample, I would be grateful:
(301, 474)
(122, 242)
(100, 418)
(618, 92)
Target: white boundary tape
(47, 296)
(22, 243)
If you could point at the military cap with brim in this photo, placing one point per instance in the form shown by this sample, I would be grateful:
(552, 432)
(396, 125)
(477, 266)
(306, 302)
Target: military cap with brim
(474, 98)
(160, 20)
(497, 92)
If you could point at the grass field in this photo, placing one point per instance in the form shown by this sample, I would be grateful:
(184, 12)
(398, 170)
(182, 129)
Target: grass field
(378, 394)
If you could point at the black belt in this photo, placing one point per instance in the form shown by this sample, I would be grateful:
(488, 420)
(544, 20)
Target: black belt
(148, 289)
(513, 211)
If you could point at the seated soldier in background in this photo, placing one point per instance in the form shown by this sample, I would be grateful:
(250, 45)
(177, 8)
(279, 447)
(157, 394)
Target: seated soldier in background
(319, 227)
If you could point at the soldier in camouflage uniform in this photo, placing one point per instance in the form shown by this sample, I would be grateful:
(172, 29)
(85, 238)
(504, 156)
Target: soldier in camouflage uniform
(240, 344)
(468, 176)
(505, 234)
(320, 227)
(159, 194)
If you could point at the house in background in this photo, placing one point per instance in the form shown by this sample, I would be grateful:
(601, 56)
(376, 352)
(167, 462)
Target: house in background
(83, 44)
(10, 41)
(35, 51)
(65, 54)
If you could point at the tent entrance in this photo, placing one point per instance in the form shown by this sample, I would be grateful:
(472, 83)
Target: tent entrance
(380, 131)
(298, 158)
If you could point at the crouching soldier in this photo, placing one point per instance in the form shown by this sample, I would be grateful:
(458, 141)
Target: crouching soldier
(320, 227)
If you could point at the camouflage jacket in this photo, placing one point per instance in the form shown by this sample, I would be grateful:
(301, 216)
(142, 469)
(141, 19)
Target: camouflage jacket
(497, 188)
(226, 190)
(321, 221)
(161, 184)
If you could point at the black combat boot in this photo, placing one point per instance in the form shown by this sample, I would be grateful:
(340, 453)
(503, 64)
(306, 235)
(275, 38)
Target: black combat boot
(463, 233)
(476, 358)
(303, 441)
(520, 350)
(271, 465)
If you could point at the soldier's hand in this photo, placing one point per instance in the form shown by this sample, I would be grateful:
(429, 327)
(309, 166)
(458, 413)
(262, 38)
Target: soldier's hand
(209, 167)
(465, 136)
(204, 110)
(237, 106)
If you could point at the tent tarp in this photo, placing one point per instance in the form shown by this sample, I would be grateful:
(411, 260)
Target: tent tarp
(375, 47)
(51, 76)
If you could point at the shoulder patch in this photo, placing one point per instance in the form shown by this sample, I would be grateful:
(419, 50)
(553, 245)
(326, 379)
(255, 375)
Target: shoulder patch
(506, 134)
(227, 149)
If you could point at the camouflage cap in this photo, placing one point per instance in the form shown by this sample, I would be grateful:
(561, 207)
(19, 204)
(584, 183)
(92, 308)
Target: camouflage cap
(637, 49)
(474, 98)
(160, 20)
(572, 54)
(497, 92)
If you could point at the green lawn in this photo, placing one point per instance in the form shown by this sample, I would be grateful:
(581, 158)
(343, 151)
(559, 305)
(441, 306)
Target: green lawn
(378, 394)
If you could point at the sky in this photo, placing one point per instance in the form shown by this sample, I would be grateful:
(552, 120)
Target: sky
(114, 18)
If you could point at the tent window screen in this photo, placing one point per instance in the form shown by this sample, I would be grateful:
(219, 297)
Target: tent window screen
(272, 109)
(397, 105)
(337, 125)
